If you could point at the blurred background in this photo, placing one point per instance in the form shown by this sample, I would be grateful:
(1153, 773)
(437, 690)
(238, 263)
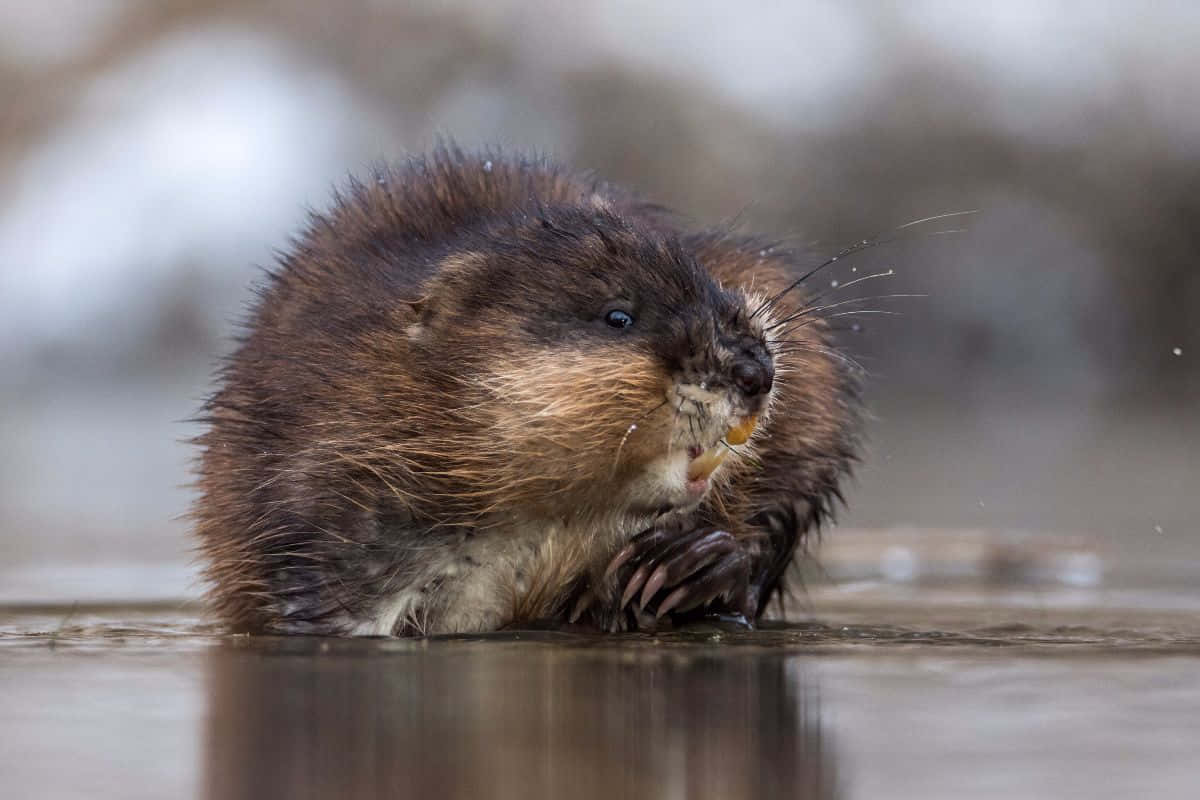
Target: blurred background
(1040, 399)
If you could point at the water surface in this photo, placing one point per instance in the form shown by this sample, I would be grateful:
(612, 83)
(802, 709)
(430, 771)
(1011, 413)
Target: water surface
(864, 700)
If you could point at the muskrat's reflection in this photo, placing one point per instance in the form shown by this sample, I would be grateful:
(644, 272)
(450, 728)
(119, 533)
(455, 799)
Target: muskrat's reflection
(497, 719)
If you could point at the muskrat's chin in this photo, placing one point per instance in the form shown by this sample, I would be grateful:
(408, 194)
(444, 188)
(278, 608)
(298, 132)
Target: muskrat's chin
(670, 483)
(683, 477)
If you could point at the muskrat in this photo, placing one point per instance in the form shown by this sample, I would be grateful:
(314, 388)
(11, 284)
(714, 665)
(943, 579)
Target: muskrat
(485, 391)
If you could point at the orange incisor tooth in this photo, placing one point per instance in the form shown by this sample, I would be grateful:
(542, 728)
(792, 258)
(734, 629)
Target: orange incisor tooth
(739, 434)
(706, 463)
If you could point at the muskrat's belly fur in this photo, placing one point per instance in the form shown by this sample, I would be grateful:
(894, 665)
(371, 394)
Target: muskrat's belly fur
(483, 391)
(481, 584)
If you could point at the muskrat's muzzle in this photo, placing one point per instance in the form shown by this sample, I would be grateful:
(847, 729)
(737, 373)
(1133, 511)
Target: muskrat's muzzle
(753, 372)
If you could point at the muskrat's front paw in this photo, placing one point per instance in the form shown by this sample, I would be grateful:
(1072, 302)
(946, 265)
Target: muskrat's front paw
(683, 572)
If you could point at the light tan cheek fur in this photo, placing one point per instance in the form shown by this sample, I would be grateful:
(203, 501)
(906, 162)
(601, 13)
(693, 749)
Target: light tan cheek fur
(578, 402)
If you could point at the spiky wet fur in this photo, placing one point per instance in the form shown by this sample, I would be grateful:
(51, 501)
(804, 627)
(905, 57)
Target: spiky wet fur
(422, 430)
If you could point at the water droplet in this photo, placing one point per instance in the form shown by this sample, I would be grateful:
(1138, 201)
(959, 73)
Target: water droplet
(835, 258)
(890, 272)
(854, 269)
(1178, 351)
(762, 253)
(833, 283)
(487, 166)
(856, 327)
(1158, 528)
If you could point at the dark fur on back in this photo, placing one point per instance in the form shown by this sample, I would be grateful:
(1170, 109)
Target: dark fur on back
(420, 368)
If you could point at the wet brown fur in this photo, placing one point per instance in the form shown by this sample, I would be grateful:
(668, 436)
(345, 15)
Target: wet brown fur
(375, 412)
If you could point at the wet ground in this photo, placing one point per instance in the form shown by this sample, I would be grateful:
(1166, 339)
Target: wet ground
(873, 690)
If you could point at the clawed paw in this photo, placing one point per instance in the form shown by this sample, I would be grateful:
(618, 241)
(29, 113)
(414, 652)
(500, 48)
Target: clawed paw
(666, 572)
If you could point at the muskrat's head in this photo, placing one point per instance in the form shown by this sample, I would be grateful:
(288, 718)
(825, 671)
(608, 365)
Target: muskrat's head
(598, 366)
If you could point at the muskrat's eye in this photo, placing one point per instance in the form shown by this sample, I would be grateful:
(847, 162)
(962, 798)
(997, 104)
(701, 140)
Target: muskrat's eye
(618, 318)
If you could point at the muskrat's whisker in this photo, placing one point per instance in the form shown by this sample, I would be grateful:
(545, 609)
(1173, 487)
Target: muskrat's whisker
(804, 312)
(806, 347)
(629, 431)
(841, 287)
(936, 217)
(865, 244)
(866, 311)
(795, 326)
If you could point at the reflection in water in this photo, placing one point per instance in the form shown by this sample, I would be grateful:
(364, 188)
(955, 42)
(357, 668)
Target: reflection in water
(504, 718)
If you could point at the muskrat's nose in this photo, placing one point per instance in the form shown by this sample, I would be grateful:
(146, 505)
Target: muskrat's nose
(752, 375)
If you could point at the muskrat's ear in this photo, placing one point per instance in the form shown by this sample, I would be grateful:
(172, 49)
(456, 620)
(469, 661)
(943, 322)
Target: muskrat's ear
(436, 302)
(418, 312)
